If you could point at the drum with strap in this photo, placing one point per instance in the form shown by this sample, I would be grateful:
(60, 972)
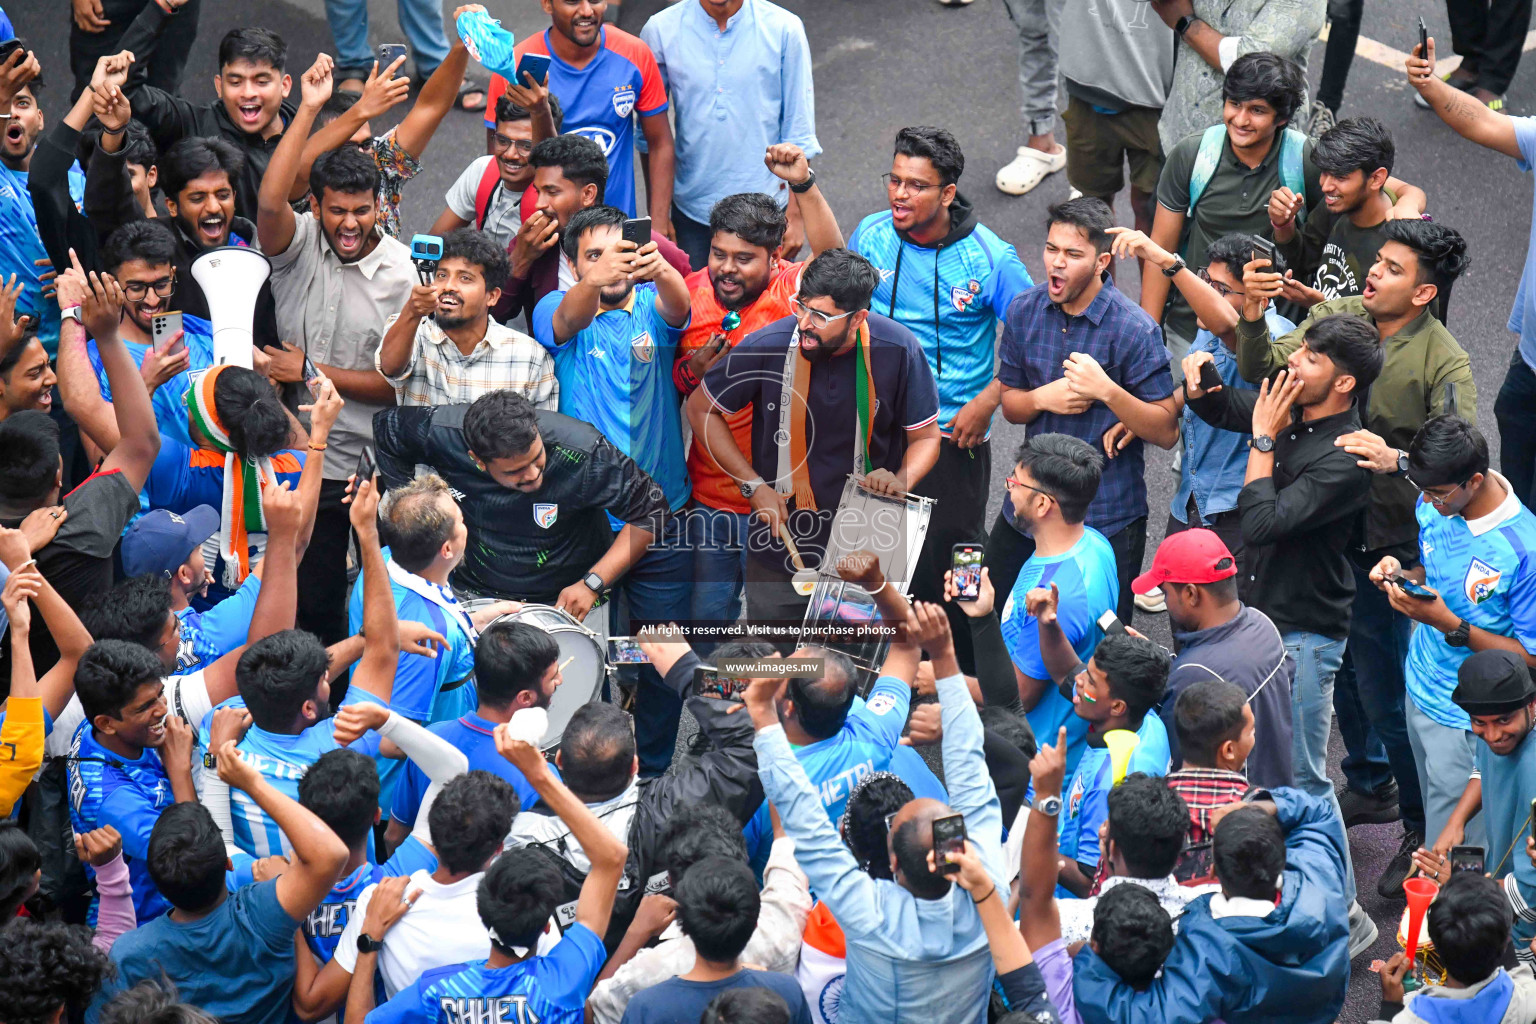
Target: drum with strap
(581, 660)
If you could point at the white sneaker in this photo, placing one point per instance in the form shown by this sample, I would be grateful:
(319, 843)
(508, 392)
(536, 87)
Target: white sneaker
(1153, 603)
(1029, 168)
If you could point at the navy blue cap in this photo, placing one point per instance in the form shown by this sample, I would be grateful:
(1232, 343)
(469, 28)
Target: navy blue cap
(160, 541)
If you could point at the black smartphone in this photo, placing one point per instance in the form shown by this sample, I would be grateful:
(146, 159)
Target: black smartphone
(1411, 588)
(1110, 623)
(9, 47)
(1423, 39)
(637, 230)
(388, 54)
(312, 378)
(707, 682)
(948, 837)
(965, 569)
(1466, 858)
(366, 466)
(1210, 377)
(1262, 249)
(625, 650)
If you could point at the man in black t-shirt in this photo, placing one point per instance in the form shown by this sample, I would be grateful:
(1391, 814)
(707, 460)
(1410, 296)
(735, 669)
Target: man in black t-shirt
(536, 488)
(78, 560)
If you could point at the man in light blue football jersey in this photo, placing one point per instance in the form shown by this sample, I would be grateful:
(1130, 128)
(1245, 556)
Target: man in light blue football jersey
(427, 540)
(614, 336)
(1054, 480)
(1475, 540)
(516, 897)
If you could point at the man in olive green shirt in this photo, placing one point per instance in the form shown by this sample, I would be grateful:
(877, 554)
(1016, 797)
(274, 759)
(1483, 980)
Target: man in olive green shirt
(1425, 373)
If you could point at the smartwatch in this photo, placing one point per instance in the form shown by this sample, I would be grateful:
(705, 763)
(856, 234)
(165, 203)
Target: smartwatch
(70, 313)
(800, 188)
(1178, 265)
(594, 583)
(1182, 25)
(749, 486)
(210, 760)
(1263, 442)
(367, 945)
(1461, 635)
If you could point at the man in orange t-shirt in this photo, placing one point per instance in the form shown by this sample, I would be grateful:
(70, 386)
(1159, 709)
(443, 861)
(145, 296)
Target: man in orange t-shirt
(745, 277)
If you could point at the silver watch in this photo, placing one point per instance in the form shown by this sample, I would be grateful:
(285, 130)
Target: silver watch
(1050, 806)
(748, 486)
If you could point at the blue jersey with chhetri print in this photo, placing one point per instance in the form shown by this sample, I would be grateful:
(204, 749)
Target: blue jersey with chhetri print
(323, 927)
(1485, 571)
(950, 295)
(548, 989)
(282, 759)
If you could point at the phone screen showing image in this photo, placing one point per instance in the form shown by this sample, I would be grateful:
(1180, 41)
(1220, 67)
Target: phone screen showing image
(625, 650)
(948, 837)
(707, 682)
(965, 567)
(312, 378)
(1467, 858)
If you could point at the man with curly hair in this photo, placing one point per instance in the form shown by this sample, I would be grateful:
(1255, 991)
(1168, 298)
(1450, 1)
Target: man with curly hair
(47, 971)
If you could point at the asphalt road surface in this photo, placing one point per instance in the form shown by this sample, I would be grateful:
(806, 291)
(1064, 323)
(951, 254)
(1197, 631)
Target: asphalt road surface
(882, 64)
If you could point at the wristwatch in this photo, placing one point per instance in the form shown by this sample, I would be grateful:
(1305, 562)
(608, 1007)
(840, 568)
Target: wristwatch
(1050, 806)
(70, 313)
(594, 583)
(1461, 635)
(1178, 265)
(1402, 462)
(1182, 25)
(367, 945)
(749, 486)
(805, 186)
(1263, 442)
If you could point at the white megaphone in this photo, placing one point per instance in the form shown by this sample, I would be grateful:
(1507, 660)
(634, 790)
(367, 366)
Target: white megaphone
(231, 277)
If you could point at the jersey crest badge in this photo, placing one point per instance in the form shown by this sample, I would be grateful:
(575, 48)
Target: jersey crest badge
(1481, 581)
(624, 100)
(960, 298)
(545, 515)
(880, 703)
(643, 346)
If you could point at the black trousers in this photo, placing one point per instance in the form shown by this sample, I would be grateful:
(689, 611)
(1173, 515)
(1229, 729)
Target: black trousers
(323, 573)
(1489, 35)
(170, 56)
(958, 482)
(1008, 550)
(1343, 33)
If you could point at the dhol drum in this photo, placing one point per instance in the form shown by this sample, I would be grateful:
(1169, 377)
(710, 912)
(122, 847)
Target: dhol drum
(581, 661)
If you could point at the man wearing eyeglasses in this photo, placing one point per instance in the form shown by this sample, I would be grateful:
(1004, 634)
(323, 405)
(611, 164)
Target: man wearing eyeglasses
(834, 389)
(1475, 591)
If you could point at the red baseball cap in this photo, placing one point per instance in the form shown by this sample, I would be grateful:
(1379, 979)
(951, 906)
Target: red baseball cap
(1190, 556)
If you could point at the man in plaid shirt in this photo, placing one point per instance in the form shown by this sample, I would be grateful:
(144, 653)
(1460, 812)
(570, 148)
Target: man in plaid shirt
(1215, 727)
(444, 348)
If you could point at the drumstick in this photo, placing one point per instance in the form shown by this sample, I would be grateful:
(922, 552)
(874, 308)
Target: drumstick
(789, 544)
(566, 662)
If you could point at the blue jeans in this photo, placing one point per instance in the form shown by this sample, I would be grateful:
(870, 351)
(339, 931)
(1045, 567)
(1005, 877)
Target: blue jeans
(718, 538)
(1316, 659)
(1369, 699)
(658, 589)
(422, 21)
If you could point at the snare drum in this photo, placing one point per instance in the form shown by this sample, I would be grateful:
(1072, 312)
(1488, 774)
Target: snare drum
(581, 655)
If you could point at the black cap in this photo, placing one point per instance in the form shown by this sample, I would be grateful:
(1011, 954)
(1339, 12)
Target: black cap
(1493, 683)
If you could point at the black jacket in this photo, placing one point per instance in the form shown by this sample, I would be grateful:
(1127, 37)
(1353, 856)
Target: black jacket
(1297, 524)
(725, 776)
(527, 546)
(171, 118)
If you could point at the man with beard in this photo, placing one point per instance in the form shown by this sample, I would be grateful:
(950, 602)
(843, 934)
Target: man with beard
(444, 348)
(22, 254)
(1495, 689)
(1076, 356)
(865, 402)
(1331, 255)
(340, 277)
(488, 195)
(1300, 501)
(516, 666)
(746, 276)
(948, 280)
(603, 77)
(613, 336)
(536, 490)
(250, 110)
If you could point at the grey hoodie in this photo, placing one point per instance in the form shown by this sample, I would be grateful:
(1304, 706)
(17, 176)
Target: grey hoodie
(1521, 1008)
